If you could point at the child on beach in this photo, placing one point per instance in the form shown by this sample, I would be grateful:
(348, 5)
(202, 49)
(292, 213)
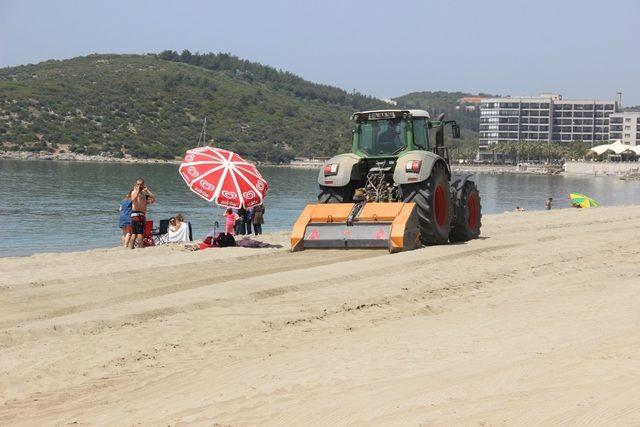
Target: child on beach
(231, 219)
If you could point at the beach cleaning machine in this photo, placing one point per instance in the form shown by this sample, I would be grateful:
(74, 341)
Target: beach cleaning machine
(394, 190)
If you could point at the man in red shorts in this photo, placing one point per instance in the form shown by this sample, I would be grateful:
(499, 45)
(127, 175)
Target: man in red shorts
(141, 196)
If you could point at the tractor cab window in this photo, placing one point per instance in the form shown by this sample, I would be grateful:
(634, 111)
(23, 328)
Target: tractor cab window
(420, 139)
(382, 137)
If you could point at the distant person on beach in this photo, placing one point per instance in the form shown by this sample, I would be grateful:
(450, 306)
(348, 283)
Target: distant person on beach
(248, 216)
(548, 204)
(519, 209)
(125, 218)
(258, 219)
(240, 225)
(141, 197)
(231, 218)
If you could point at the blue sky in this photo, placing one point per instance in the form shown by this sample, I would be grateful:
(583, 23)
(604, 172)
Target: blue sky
(578, 48)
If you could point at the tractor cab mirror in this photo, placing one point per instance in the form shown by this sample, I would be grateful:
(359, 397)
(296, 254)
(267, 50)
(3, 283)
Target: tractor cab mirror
(455, 131)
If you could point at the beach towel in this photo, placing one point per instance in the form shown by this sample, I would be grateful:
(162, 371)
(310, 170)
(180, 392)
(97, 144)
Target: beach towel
(247, 242)
(180, 235)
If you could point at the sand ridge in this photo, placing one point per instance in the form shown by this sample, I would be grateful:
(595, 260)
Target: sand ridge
(536, 322)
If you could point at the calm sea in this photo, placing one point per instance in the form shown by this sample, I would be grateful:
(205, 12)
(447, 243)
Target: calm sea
(59, 206)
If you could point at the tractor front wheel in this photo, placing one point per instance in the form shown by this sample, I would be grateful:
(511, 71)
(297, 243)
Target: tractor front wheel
(433, 202)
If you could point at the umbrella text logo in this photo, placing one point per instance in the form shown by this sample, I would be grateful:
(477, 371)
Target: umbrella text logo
(249, 194)
(192, 171)
(206, 185)
(229, 195)
(189, 158)
(260, 185)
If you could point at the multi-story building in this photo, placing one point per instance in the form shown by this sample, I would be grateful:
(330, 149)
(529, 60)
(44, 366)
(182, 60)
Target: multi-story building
(625, 127)
(547, 117)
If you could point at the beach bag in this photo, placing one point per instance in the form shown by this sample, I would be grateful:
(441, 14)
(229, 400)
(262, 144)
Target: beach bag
(229, 240)
(148, 241)
(224, 240)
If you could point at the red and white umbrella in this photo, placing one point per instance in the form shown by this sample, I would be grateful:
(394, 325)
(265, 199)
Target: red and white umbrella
(224, 177)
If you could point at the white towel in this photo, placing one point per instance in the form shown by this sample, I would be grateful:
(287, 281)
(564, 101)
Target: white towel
(180, 235)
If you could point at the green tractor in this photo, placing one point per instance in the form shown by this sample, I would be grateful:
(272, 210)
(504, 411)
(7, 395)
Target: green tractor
(393, 162)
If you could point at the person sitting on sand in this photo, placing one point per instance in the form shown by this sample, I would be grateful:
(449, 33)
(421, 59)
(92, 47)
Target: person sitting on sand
(230, 224)
(519, 209)
(178, 230)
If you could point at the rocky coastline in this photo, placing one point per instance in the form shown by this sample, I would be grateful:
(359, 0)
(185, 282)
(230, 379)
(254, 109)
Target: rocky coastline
(75, 157)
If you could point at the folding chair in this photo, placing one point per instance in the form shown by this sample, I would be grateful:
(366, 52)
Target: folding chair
(159, 235)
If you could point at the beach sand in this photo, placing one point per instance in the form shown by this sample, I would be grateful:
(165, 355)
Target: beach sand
(537, 322)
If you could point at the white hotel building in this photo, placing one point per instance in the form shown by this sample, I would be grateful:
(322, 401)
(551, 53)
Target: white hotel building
(547, 118)
(625, 127)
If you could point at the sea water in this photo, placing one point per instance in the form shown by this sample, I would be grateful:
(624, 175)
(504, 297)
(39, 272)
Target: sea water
(49, 206)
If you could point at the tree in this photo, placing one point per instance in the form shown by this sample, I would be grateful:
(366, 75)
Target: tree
(186, 56)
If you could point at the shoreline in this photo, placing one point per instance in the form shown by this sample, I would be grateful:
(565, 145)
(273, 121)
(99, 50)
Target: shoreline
(268, 237)
(84, 158)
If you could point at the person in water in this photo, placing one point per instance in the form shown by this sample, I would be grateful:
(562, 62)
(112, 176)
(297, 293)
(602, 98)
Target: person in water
(141, 197)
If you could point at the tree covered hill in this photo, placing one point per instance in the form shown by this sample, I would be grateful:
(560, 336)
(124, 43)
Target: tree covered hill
(153, 106)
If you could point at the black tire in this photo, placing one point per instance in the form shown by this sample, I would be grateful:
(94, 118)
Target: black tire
(335, 194)
(433, 202)
(468, 219)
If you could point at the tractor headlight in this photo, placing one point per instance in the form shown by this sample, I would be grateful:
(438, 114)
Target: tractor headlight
(331, 169)
(413, 166)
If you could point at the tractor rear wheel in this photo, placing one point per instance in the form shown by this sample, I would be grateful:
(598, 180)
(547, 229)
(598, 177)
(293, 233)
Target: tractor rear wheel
(468, 214)
(335, 194)
(433, 203)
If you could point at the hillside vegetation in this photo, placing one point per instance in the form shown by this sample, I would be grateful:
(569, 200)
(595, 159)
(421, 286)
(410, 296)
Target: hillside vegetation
(153, 106)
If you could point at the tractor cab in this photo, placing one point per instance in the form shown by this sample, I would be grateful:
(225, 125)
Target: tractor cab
(391, 133)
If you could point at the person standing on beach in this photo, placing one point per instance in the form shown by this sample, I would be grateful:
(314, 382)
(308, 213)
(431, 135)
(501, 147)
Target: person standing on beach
(258, 219)
(248, 216)
(141, 196)
(240, 225)
(548, 204)
(125, 219)
(230, 224)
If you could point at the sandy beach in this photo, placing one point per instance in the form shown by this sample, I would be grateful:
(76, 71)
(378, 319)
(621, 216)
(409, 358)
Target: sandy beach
(537, 322)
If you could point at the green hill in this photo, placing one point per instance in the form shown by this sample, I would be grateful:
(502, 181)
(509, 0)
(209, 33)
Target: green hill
(153, 106)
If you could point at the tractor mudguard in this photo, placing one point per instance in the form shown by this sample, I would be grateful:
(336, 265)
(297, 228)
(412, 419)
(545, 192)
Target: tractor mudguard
(345, 173)
(458, 181)
(428, 159)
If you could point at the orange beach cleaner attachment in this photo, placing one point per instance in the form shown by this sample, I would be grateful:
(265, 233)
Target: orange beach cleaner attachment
(357, 225)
